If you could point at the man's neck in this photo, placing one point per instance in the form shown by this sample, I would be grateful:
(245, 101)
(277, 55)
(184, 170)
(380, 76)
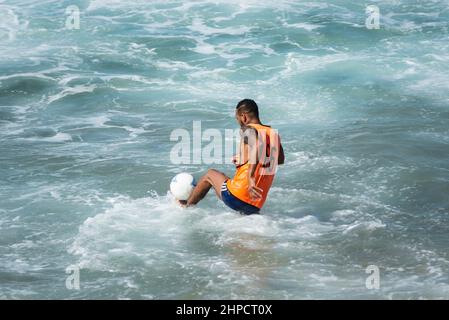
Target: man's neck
(254, 121)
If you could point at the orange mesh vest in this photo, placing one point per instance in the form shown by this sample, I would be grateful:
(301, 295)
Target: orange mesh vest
(268, 151)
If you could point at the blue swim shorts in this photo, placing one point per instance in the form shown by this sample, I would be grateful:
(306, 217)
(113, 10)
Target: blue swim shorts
(235, 203)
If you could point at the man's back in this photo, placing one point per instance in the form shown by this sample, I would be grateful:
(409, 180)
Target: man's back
(267, 144)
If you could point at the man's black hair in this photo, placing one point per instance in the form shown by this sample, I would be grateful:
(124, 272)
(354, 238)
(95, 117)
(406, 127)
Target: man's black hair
(248, 106)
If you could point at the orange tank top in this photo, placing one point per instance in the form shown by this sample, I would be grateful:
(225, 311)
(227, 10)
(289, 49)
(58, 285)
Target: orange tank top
(268, 150)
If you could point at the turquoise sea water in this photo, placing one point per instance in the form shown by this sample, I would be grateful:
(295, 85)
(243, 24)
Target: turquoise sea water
(85, 123)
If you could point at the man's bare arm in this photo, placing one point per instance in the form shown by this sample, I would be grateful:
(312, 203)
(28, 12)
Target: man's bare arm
(281, 158)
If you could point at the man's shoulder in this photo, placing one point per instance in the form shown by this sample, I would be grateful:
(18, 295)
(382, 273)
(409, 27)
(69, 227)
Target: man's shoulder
(248, 130)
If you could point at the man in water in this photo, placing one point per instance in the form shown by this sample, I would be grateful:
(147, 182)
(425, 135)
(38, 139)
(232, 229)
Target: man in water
(260, 153)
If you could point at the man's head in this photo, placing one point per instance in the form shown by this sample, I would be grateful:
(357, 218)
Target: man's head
(246, 112)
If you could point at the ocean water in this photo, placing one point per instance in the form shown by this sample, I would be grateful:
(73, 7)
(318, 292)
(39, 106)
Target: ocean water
(85, 121)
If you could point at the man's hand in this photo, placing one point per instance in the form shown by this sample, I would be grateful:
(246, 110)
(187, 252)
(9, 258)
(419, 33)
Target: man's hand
(236, 160)
(254, 192)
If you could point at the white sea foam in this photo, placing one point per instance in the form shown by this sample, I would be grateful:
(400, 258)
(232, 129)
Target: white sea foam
(199, 26)
(71, 91)
(309, 161)
(302, 25)
(295, 63)
(59, 137)
(360, 227)
(120, 229)
(174, 65)
(9, 23)
(26, 75)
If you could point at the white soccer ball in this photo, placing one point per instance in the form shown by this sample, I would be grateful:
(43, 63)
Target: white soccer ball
(181, 186)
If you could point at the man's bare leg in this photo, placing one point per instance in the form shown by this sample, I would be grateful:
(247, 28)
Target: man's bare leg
(212, 178)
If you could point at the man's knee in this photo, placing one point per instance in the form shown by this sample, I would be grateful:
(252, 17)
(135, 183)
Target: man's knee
(212, 172)
(214, 177)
